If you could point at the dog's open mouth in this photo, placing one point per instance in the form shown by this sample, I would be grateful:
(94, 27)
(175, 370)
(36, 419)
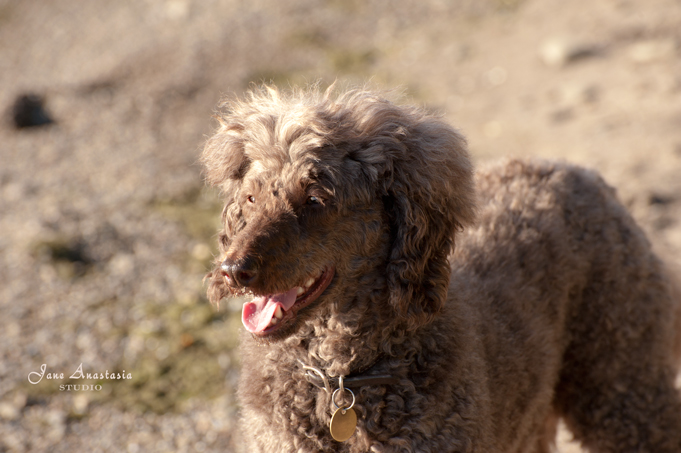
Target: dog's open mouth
(266, 314)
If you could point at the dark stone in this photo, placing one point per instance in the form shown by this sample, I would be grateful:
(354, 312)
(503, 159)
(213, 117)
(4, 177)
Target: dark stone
(29, 111)
(659, 199)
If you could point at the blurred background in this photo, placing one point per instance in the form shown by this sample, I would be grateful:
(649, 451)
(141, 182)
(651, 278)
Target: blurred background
(106, 229)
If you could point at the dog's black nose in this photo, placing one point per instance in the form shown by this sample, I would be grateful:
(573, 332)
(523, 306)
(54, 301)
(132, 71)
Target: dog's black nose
(240, 272)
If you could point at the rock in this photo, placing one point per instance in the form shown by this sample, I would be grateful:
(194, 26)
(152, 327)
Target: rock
(652, 50)
(558, 52)
(201, 252)
(55, 421)
(573, 94)
(11, 409)
(28, 111)
(80, 404)
(8, 411)
(177, 9)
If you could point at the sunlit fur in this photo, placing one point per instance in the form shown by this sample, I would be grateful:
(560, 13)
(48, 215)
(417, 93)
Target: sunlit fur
(550, 304)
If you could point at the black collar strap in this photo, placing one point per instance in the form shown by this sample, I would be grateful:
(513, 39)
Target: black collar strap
(357, 381)
(315, 377)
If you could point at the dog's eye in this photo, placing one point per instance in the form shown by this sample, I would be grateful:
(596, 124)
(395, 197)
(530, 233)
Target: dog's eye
(251, 199)
(312, 200)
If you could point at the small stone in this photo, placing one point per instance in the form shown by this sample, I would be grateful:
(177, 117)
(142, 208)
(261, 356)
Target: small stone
(177, 9)
(201, 252)
(20, 399)
(80, 404)
(577, 94)
(558, 52)
(28, 111)
(8, 411)
(56, 420)
(652, 50)
(122, 264)
(659, 199)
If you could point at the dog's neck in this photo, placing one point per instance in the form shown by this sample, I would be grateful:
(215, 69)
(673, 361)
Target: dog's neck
(345, 337)
(361, 377)
(344, 344)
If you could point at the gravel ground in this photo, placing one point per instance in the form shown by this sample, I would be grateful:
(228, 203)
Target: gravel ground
(106, 229)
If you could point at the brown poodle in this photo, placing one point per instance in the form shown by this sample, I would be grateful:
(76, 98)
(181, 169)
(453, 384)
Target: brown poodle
(446, 312)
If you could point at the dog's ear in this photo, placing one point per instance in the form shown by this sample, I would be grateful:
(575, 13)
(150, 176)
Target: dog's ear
(223, 156)
(429, 197)
(225, 164)
(426, 180)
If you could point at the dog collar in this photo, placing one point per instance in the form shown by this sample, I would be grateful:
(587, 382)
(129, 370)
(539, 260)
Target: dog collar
(344, 419)
(354, 380)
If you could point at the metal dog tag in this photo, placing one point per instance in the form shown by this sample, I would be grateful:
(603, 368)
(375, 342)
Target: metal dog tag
(343, 424)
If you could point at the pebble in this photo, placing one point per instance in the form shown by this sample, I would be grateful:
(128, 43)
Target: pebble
(652, 50)
(201, 252)
(577, 94)
(8, 411)
(559, 52)
(80, 404)
(28, 110)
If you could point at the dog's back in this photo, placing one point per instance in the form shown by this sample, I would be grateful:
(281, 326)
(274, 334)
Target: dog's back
(574, 295)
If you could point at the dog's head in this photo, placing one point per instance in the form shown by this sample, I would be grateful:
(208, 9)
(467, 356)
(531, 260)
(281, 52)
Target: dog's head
(331, 197)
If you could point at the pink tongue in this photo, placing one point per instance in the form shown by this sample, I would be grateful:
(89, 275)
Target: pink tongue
(257, 314)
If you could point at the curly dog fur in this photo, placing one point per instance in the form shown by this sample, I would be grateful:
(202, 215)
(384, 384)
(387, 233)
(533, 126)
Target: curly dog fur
(498, 304)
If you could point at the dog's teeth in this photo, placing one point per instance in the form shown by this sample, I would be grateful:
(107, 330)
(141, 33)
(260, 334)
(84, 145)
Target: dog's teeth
(309, 282)
(300, 290)
(273, 321)
(279, 313)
